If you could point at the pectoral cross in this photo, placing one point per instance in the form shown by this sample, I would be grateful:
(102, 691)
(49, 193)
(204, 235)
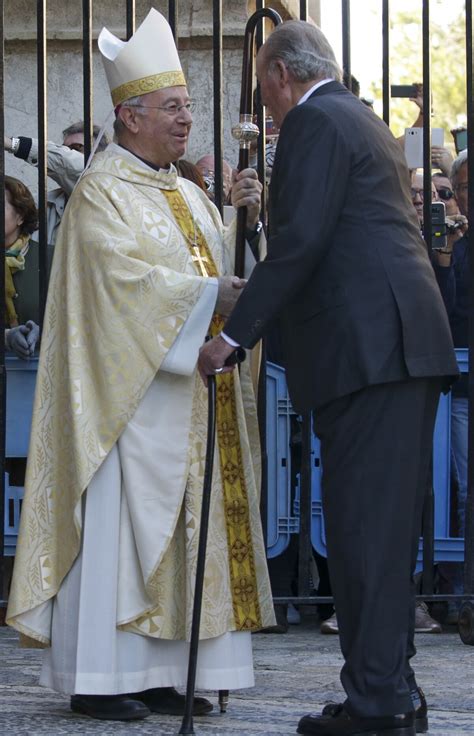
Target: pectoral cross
(199, 259)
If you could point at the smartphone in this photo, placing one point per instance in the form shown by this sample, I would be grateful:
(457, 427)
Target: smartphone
(414, 145)
(403, 90)
(438, 226)
(460, 140)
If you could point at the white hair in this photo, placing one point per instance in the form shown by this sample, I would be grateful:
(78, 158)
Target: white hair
(456, 165)
(305, 51)
(119, 126)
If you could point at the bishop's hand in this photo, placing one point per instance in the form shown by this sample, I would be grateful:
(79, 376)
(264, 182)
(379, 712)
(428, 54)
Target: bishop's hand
(246, 192)
(230, 288)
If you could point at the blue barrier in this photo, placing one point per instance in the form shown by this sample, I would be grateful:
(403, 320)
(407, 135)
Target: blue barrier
(283, 511)
(13, 499)
(281, 522)
(21, 381)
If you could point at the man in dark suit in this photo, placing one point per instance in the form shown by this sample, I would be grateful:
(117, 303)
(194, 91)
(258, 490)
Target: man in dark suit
(367, 346)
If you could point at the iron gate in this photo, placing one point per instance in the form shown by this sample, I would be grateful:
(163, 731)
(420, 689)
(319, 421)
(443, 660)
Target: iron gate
(129, 10)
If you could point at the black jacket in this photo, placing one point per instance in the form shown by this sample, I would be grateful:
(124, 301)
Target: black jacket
(347, 276)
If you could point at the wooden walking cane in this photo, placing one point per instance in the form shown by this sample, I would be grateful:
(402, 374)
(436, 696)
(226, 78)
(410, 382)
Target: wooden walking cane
(187, 723)
(187, 726)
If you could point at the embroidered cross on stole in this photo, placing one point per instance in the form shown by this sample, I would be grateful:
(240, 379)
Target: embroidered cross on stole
(199, 259)
(239, 536)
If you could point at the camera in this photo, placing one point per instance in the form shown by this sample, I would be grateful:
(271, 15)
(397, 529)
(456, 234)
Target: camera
(460, 139)
(404, 90)
(452, 227)
(438, 226)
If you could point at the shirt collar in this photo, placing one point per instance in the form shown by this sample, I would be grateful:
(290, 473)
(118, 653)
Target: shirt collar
(313, 89)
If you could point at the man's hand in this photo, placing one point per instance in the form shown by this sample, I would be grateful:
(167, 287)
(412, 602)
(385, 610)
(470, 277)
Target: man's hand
(7, 143)
(16, 341)
(441, 159)
(246, 192)
(33, 335)
(456, 226)
(22, 340)
(418, 100)
(230, 288)
(212, 357)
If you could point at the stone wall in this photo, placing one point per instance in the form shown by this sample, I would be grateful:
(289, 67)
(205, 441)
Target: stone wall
(64, 57)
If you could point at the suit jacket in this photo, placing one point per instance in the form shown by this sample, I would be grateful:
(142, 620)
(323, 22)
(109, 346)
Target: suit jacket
(347, 279)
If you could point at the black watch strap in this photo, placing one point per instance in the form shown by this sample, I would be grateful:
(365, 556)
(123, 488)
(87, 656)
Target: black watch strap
(24, 148)
(251, 234)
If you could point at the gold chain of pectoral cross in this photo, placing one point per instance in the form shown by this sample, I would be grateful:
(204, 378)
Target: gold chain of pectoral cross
(198, 248)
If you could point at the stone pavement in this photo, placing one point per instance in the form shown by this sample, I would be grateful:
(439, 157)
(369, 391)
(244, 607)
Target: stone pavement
(295, 673)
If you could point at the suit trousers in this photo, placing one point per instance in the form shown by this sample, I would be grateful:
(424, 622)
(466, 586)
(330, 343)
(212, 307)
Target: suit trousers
(376, 449)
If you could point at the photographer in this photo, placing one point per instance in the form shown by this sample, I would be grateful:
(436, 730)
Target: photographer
(417, 196)
(452, 272)
(446, 193)
(440, 156)
(65, 164)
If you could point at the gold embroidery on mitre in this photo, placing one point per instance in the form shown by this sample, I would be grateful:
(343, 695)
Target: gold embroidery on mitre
(243, 575)
(147, 84)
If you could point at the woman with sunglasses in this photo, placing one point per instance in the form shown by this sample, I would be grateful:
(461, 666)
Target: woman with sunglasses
(445, 193)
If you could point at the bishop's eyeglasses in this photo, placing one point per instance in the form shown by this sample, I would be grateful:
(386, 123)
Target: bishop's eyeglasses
(172, 109)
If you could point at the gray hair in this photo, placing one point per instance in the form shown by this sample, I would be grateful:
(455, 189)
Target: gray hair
(79, 128)
(119, 126)
(304, 50)
(456, 165)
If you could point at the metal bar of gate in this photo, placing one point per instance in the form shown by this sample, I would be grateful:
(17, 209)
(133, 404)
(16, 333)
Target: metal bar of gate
(259, 110)
(42, 153)
(305, 551)
(428, 502)
(2, 317)
(426, 125)
(386, 60)
(346, 42)
(469, 528)
(217, 88)
(87, 75)
(173, 18)
(130, 18)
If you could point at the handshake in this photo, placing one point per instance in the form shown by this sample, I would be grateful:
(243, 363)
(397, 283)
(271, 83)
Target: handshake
(230, 288)
(22, 340)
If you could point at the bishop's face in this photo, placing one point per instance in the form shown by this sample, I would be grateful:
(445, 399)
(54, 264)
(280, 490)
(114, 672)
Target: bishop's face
(164, 124)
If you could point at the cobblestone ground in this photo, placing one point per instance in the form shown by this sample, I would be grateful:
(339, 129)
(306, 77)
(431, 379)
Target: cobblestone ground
(295, 673)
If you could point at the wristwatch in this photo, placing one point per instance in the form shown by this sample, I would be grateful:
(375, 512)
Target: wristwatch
(252, 234)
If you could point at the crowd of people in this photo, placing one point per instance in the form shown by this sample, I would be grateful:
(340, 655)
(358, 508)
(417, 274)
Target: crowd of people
(141, 276)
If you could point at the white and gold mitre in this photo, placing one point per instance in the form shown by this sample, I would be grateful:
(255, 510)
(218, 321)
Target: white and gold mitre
(147, 62)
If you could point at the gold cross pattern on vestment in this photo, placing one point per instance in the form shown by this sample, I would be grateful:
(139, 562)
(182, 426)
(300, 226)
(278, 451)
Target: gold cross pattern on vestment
(199, 259)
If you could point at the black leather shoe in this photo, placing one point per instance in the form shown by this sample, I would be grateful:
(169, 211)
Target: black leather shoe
(109, 707)
(167, 701)
(421, 710)
(340, 723)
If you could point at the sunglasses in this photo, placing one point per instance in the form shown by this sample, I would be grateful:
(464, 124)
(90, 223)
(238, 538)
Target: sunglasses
(445, 193)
